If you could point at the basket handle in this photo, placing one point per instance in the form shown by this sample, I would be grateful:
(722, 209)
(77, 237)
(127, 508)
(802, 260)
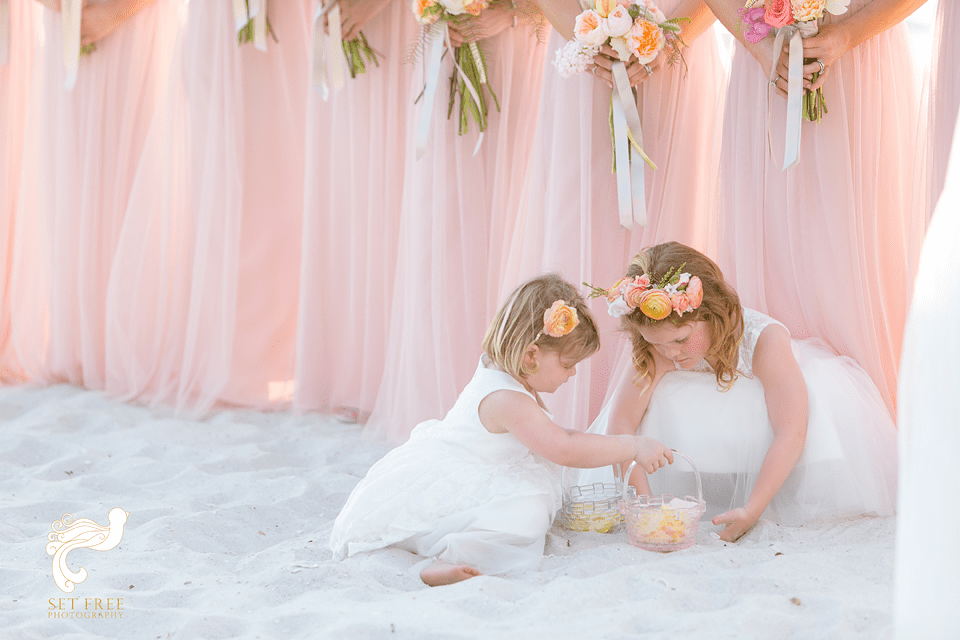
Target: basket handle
(696, 474)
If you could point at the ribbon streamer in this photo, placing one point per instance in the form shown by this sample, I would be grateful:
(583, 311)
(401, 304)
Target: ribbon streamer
(4, 32)
(794, 114)
(328, 61)
(627, 134)
(436, 39)
(475, 52)
(258, 12)
(70, 25)
(240, 15)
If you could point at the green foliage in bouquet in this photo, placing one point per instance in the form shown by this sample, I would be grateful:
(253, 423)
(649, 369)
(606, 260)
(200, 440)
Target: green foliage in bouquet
(356, 50)
(470, 58)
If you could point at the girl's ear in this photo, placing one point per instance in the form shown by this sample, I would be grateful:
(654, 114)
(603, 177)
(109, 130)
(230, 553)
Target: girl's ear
(530, 357)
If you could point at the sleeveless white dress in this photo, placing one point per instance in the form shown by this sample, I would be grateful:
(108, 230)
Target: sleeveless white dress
(849, 461)
(455, 491)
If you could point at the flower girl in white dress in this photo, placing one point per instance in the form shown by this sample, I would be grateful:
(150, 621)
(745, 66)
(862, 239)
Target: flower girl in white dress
(778, 428)
(479, 489)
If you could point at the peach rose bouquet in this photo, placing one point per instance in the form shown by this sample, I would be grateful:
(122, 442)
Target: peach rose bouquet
(633, 28)
(759, 17)
(468, 82)
(676, 292)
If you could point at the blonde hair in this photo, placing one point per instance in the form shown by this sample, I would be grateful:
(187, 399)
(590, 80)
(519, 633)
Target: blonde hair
(720, 309)
(519, 324)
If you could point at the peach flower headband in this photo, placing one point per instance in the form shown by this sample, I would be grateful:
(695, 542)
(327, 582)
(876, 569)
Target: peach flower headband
(559, 320)
(676, 291)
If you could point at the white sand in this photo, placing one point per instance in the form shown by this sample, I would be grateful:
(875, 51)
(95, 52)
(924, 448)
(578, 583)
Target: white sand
(228, 528)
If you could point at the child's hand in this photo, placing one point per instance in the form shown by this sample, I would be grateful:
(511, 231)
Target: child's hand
(738, 522)
(650, 454)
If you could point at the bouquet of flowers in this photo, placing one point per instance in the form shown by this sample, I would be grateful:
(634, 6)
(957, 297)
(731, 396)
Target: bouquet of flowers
(468, 82)
(760, 16)
(252, 23)
(633, 29)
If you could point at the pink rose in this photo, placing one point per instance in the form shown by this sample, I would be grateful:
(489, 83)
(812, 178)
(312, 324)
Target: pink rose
(474, 7)
(752, 18)
(806, 10)
(680, 303)
(642, 281)
(778, 13)
(587, 29)
(632, 295)
(694, 292)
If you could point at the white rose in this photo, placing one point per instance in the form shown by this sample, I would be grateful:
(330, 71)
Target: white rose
(455, 7)
(588, 29)
(618, 307)
(617, 23)
(836, 7)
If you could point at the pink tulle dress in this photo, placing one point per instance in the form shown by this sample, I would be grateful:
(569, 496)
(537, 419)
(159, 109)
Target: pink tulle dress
(15, 78)
(355, 153)
(203, 298)
(824, 247)
(82, 148)
(569, 222)
(457, 213)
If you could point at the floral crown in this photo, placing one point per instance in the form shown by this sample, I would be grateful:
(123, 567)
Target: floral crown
(675, 291)
(559, 320)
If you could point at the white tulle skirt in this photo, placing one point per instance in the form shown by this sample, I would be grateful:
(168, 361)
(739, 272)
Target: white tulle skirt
(849, 460)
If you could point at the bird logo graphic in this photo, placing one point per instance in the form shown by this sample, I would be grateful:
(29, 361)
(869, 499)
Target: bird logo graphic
(84, 533)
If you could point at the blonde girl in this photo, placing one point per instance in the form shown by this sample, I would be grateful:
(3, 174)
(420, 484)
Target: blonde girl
(478, 490)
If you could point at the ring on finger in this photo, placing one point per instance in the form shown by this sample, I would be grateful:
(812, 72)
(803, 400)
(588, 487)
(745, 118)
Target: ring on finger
(773, 82)
(647, 68)
(822, 66)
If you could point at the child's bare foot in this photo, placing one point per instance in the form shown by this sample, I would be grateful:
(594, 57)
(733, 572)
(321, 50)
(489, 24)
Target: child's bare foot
(441, 572)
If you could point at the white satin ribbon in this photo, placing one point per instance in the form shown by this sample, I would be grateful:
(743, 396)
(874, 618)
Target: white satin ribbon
(794, 114)
(240, 15)
(258, 12)
(475, 52)
(435, 41)
(328, 58)
(70, 25)
(4, 32)
(627, 132)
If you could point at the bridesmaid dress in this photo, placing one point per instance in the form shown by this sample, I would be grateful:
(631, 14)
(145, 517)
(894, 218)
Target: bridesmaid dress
(82, 148)
(14, 94)
(456, 212)
(203, 303)
(356, 145)
(824, 247)
(569, 223)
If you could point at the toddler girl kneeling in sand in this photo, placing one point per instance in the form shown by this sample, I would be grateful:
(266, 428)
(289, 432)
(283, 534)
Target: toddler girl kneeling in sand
(777, 427)
(479, 489)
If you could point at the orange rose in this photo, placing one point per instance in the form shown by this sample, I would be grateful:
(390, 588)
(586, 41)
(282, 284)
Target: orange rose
(420, 6)
(655, 304)
(559, 319)
(474, 7)
(645, 40)
(804, 10)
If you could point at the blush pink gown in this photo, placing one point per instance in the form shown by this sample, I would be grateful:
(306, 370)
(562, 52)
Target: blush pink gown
(14, 96)
(824, 247)
(81, 152)
(203, 299)
(457, 212)
(356, 147)
(569, 222)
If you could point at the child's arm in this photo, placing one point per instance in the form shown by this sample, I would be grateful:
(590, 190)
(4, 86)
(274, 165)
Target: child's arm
(628, 406)
(510, 411)
(786, 394)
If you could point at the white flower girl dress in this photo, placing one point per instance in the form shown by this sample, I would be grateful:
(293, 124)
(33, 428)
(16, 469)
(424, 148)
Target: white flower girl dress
(849, 461)
(456, 491)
